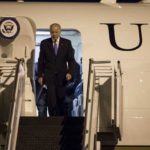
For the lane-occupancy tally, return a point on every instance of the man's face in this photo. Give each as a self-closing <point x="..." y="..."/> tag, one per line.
<point x="55" y="32"/>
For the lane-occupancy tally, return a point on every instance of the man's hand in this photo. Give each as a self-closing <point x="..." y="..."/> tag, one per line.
<point x="68" y="76"/>
<point x="40" y="80"/>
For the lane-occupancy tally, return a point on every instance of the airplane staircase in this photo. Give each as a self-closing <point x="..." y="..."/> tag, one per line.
<point x="19" y="132"/>
<point x="99" y="128"/>
<point x="103" y="116"/>
<point x="52" y="133"/>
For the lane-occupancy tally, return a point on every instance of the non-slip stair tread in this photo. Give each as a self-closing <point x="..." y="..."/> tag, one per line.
<point x="30" y="139"/>
<point x="39" y="130"/>
<point x="56" y="140"/>
<point x="47" y="130"/>
<point x="39" y="142"/>
<point x="38" y="147"/>
<point x="47" y="147"/>
<point x="53" y="133"/>
<point x="67" y="121"/>
<point x="41" y="121"/>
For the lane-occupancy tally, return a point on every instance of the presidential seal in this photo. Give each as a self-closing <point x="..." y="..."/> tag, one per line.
<point x="9" y="28"/>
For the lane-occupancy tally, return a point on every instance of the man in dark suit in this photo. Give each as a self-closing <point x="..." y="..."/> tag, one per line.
<point x="56" y="66"/>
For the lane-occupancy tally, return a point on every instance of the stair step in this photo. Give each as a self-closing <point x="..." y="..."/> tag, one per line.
<point x="53" y="133"/>
<point x="53" y="139"/>
<point x="107" y="138"/>
<point x="59" y="142"/>
<point x="41" y="121"/>
<point x="59" y="139"/>
<point x="38" y="140"/>
<point x="40" y="130"/>
<point x="37" y="146"/>
<point x="67" y="121"/>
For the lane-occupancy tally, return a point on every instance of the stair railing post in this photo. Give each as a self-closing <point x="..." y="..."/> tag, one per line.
<point x="113" y="94"/>
<point x="15" y="109"/>
<point x="119" y="97"/>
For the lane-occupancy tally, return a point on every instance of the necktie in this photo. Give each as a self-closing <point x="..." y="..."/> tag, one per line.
<point x="55" y="48"/>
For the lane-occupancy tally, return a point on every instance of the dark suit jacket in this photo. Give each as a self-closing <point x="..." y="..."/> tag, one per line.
<point x="50" y="65"/>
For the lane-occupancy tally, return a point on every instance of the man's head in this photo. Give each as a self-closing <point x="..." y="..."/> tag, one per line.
<point x="55" y="30"/>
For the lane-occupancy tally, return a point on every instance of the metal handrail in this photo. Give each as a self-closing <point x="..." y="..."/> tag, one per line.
<point x="88" y="132"/>
<point x="14" y="102"/>
<point x="87" y="100"/>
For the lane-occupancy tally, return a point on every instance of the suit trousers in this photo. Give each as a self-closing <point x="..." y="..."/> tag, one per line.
<point x="56" y="96"/>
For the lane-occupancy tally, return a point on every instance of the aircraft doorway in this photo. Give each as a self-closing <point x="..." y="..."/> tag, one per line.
<point x="74" y="90"/>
